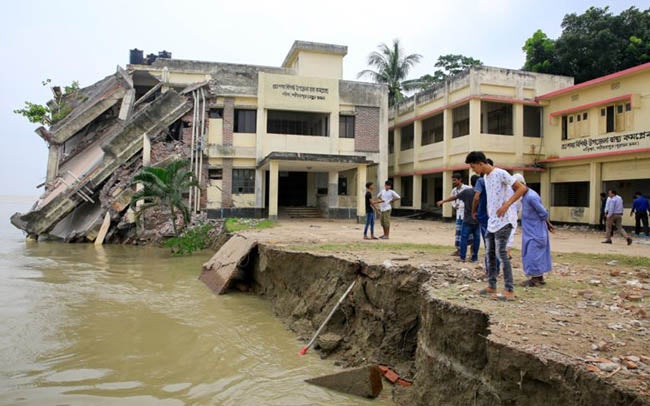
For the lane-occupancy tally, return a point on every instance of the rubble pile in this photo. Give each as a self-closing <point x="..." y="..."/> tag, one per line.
<point x="113" y="129"/>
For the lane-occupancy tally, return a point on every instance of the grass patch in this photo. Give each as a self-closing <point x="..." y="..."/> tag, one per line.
<point x="428" y="248"/>
<point x="601" y="259"/>
<point x="233" y="224"/>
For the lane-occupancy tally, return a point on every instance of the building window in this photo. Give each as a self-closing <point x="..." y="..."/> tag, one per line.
<point x="215" y="113"/>
<point x="433" y="130"/>
<point x="245" y="121"/>
<point x="496" y="118"/>
<point x="532" y="121"/>
<point x="215" y="173"/>
<point x="346" y="126"/>
<point x="571" y="194"/>
<point x="406" y="138"/>
<point x="391" y="141"/>
<point x="297" y="123"/>
<point x="243" y="181"/>
<point x="575" y="125"/>
<point x="460" y="116"/>
<point x="615" y="118"/>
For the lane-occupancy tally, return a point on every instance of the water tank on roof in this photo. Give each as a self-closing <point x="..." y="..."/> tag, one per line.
<point x="165" y="54"/>
<point x="135" y="56"/>
<point x="151" y="58"/>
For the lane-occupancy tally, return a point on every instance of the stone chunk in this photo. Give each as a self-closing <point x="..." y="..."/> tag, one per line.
<point x="364" y="381"/>
<point x="329" y="341"/>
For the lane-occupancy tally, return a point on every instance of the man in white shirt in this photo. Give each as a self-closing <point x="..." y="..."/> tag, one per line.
<point x="499" y="186"/>
<point x="386" y="198"/>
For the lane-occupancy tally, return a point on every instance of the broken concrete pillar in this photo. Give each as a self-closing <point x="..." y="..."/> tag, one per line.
<point x="364" y="381"/>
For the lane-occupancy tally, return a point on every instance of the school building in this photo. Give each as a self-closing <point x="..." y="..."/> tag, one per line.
<point x="571" y="142"/>
<point x="274" y="139"/>
<point x="596" y="138"/>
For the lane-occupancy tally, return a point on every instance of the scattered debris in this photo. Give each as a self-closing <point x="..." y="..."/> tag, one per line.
<point x="329" y="341"/>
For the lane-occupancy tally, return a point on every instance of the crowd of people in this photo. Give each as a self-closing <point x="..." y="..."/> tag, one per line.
<point x="489" y="208"/>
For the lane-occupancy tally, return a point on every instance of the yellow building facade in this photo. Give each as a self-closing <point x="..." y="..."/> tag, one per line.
<point x="297" y="135"/>
<point x="596" y="138"/>
<point x="489" y="109"/>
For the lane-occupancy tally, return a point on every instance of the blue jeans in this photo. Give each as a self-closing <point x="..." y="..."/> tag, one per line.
<point x="468" y="230"/>
<point x="496" y="248"/>
<point x="459" y="227"/>
<point x="370" y="222"/>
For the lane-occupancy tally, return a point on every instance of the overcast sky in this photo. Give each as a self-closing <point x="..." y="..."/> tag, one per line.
<point x="85" y="40"/>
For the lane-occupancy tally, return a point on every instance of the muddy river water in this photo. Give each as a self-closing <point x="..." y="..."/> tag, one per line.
<point x="81" y="325"/>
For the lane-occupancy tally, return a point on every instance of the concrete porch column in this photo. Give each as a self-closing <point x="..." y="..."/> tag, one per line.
<point x="397" y="187"/>
<point x="274" y="168"/>
<point x="333" y="189"/>
<point x="362" y="175"/>
<point x="446" y="191"/>
<point x="595" y="186"/>
<point x="417" y="192"/>
<point x="259" y="188"/>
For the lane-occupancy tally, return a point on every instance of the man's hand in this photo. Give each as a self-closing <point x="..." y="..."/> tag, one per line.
<point x="502" y="210"/>
<point x="550" y="226"/>
<point x="474" y="216"/>
<point x="439" y="203"/>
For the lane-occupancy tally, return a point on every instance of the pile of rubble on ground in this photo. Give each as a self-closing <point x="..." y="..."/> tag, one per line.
<point x="112" y="130"/>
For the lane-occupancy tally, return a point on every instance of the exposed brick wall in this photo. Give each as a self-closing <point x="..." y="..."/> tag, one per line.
<point x="228" y="120"/>
<point x="366" y="129"/>
<point x="226" y="183"/>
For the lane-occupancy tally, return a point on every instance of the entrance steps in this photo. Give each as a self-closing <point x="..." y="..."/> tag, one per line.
<point x="301" y="212"/>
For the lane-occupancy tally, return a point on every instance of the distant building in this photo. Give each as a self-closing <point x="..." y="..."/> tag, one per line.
<point x="596" y="138"/>
<point x="280" y="137"/>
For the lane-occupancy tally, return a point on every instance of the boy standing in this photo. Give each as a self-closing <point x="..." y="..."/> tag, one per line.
<point x="501" y="219"/>
<point x="471" y="226"/>
<point x="370" y="212"/>
<point x="386" y="198"/>
<point x="614" y="218"/>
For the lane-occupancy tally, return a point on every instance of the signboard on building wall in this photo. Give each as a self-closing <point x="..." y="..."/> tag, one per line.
<point x="289" y="92"/>
<point x="606" y="143"/>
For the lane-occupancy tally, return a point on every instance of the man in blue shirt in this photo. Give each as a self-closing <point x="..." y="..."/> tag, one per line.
<point x="640" y="208"/>
<point x="615" y="218"/>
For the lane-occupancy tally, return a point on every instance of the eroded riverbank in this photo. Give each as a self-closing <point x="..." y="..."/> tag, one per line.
<point x="414" y="309"/>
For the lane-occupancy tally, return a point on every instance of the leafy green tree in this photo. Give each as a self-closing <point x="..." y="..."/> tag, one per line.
<point x="540" y="53"/>
<point x="392" y="67"/>
<point x="164" y="187"/>
<point x="592" y="44"/>
<point x="447" y="66"/>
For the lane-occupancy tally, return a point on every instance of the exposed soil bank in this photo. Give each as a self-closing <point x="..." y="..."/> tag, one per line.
<point x="392" y="316"/>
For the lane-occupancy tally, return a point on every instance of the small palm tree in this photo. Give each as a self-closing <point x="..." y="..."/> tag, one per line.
<point x="164" y="186"/>
<point x="392" y="67"/>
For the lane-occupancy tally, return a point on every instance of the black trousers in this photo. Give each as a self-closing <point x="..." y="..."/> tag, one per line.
<point x="641" y="218"/>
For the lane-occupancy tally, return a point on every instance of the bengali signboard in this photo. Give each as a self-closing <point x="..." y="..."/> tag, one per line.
<point x="300" y="93"/>
<point x="606" y="143"/>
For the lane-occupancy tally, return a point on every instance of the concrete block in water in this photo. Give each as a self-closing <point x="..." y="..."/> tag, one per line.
<point x="364" y="381"/>
<point x="223" y="266"/>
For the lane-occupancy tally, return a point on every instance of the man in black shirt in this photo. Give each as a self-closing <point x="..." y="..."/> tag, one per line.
<point x="370" y="213"/>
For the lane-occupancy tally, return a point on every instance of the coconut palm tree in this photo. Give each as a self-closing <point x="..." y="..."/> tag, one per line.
<point x="164" y="186"/>
<point x="392" y="67"/>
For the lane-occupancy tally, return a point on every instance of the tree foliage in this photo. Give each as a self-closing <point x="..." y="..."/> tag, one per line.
<point x="447" y="66"/>
<point x="391" y="66"/>
<point x="164" y="186"/>
<point x="51" y="113"/>
<point x="592" y="44"/>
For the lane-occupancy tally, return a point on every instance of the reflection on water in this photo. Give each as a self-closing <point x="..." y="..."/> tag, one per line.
<point x="132" y="325"/>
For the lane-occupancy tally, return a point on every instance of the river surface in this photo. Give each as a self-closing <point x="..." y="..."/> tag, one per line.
<point x="85" y="325"/>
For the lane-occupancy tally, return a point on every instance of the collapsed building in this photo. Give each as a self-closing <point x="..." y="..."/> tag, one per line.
<point x="259" y="140"/>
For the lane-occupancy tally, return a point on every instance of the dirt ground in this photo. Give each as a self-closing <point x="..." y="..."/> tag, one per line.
<point x="592" y="312"/>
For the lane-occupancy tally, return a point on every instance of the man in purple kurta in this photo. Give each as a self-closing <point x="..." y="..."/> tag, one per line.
<point x="535" y="244"/>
